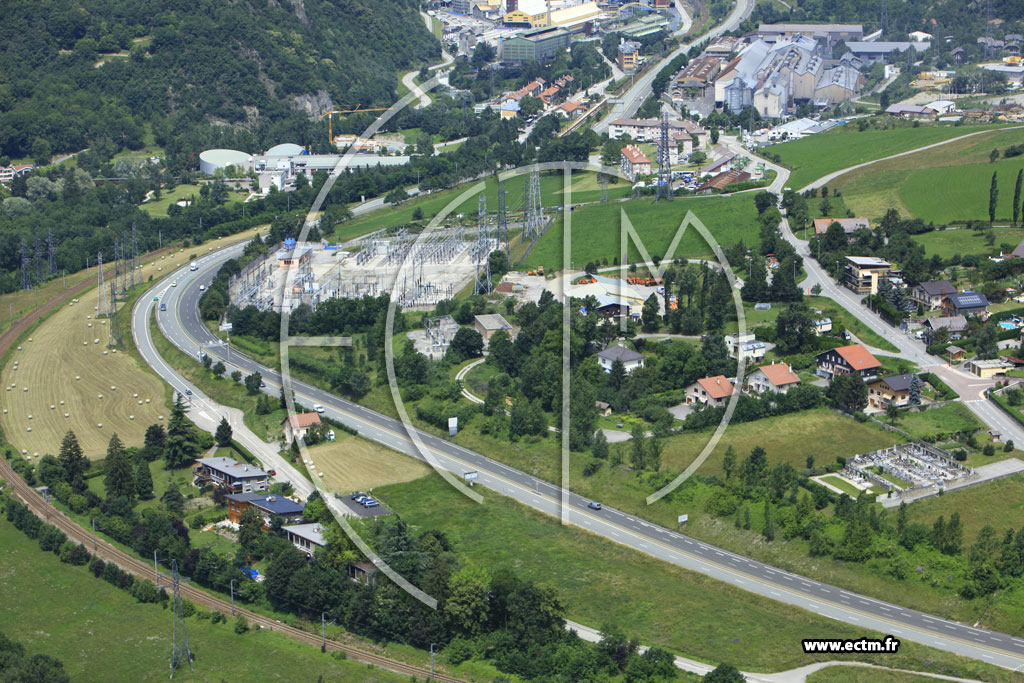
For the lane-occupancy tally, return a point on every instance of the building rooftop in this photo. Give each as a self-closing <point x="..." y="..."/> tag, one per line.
<point x="233" y="468"/>
<point x="857" y="357"/>
<point x="635" y="155"/>
<point x="868" y="261"/>
<point x="493" y="321"/>
<point x="780" y="374"/>
<point x="279" y="505"/>
<point x="849" y="224"/>
<point x="717" y="387"/>
<point x="968" y="300"/>
<point x="620" y="353"/>
<point x="302" y="420"/>
<point x="938" y="287"/>
<point x="314" y="533"/>
<point x="899" y="382"/>
<point x="952" y="322"/>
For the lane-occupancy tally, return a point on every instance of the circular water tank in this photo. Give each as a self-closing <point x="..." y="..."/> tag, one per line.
<point x="212" y="159"/>
<point x="285" y="149"/>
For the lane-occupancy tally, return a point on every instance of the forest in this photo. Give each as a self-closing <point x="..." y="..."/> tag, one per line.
<point x="75" y="73"/>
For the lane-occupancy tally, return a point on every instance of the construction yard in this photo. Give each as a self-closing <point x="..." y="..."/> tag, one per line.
<point x="65" y="375"/>
<point x="351" y="463"/>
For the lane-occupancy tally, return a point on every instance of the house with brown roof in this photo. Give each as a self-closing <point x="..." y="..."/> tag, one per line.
<point x="929" y="294"/>
<point x="297" y="426"/>
<point x="849" y="225"/>
<point x="710" y="391"/>
<point x="571" y="110"/>
<point x="895" y="389"/>
<point x="634" y="162"/>
<point x="847" y="360"/>
<point x="723" y="180"/>
<point x="777" y="378"/>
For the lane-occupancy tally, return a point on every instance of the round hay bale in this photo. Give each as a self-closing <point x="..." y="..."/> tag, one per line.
<point x="53" y="407"/>
<point x="29" y="429"/>
<point x="62" y="402"/>
<point x="113" y="350"/>
<point x="5" y="411"/>
<point x="103" y="322"/>
<point x="100" y="425"/>
<point x="30" y="417"/>
<point x="25" y="389"/>
<point x="140" y="403"/>
<point x="19" y="348"/>
<point x="99" y="396"/>
<point x="77" y="377"/>
<point x="159" y="417"/>
<point x="89" y="325"/>
<point x="95" y="341"/>
<point x="30" y="338"/>
<point x="131" y="417"/>
<point x="104" y="353"/>
<point x="23" y="451"/>
<point x="85" y="343"/>
<point x="113" y="388"/>
<point x="147" y="400"/>
<point x="321" y="475"/>
<point x="67" y="414"/>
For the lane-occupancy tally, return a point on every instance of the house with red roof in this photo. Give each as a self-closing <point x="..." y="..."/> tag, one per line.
<point x="710" y="391"/>
<point x="777" y="378"/>
<point x="847" y="360"/>
<point x="296" y="426"/>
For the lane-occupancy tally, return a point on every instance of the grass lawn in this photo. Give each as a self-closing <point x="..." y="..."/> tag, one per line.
<point x="946" y="243"/>
<point x="158" y="207"/>
<point x="103" y="634"/>
<point x="976" y="505"/>
<point x="952" y="417"/>
<point x="831" y="309"/>
<point x="856" y="674"/>
<point x="552" y="186"/>
<point x="843" y="485"/>
<point x="812" y="157"/>
<point x="660" y="604"/>
<point x="596" y="229"/>
<point x="352" y="463"/>
<point x="941" y="185"/>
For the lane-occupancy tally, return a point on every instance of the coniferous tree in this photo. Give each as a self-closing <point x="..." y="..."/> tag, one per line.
<point x="173" y="501"/>
<point x="181" y="447"/>
<point x="993" y="198"/>
<point x="74" y="462"/>
<point x="223" y="434"/>
<point x="1016" y="197"/>
<point x="143" y="479"/>
<point x="119" y="480"/>
<point x="915" y="390"/>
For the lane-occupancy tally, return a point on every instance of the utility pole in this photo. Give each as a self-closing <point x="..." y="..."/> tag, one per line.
<point x="232" y="597"/>
<point x="432" y="646"/>
<point x="93" y="535"/>
<point x="179" y="646"/>
<point x="156" y="571"/>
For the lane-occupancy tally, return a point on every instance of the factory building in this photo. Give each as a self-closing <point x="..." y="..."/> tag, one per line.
<point x="538" y="44"/>
<point x="212" y="160"/>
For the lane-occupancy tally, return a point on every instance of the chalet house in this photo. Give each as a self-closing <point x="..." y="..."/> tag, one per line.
<point x="849" y="225"/>
<point x="895" y="389"/>
<point x="777" y="378"/>
<point x="230" y="475"/>
<point x="268" y="505"/>
<point x="710" y="391"/>
<point x="955" y="324"/>
<point x="845" y="360"/>
<point x="296" y="427"/>
<point x="955" y="353"/>
<point x="966" y="304"/>
<point x="631" y="360"/>
<point x="930" y="294"/>
<point x="603" y="409"/>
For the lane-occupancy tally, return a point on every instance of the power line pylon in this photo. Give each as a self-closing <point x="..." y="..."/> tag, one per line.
<point x="114" y="333"/>
<point x="602" y="180"/>
<point x="101" y="308"/>
<point x="503" y="220"/>
<point x="664" y="162"/>
<point x="134" y="256"/>
<point x="179" y="646"/>
<point x="51" y="252"/>
<point x="26" y="274"/>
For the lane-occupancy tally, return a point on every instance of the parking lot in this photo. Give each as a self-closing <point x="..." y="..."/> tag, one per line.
<point x="357" y="510"/>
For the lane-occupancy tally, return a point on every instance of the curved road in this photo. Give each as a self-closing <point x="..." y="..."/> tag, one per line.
<point x="185" y="329"/>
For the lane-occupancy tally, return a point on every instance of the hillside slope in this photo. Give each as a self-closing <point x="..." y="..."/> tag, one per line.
<point x="74" y="73"/>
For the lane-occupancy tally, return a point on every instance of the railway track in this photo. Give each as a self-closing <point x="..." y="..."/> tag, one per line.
<point x="110" y="553"/>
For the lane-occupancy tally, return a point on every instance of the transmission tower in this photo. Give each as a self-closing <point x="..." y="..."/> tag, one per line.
<point x="179" y="647"/>
<point x="883" y="20"/>
<point x="533" y="218"/>
<point x="481" y="250"/>
<point x="51" y="251"/>
<point x="503" y="220"/>
<point x="37" y="258"/>
<point x="114" y="333"/>
<point x="602" y="180"/>
<point x="101" y="308"/>
<point x="134" y="256"/>
<point x="26" y="273"/>
<point x="664" y="163"/>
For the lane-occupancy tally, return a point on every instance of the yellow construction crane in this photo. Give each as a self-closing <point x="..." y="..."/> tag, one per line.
<point x="330" y="117"/>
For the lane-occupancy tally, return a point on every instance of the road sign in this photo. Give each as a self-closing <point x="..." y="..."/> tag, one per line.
<point x="683" y="518"/>
<point x="472" y="475"/>
<point x="453" y="426"/>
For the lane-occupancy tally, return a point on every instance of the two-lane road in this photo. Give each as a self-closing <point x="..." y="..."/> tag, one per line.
<point x="183" y="327"/>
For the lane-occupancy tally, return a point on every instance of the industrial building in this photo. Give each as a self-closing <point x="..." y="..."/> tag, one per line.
<point x="213" y="160"/>
<point x="829" y="33"/>
<point x="538" y="45"/>
<point x="538" y="14"/>
<point x="879" y="51"/>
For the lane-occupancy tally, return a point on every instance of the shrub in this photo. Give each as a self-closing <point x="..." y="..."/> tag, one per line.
<point x="97" y="567"/>
<point x="989" y="450"/>
<point x="591" y="466"/>
<point x="145" y="591"/>
<point x="960" y="454"/>
<point x="241" y="624"/>
<point x="218" y="618"/>
<point x="1008" y="447"/>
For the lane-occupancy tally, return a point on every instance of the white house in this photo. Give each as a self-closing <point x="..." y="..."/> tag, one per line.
<point x="305" y="537"/>
<point x="777" y="377"/>
<point x="712" y="391"/>
<point x="745" y="345"/>
<point x="630" y="359"/>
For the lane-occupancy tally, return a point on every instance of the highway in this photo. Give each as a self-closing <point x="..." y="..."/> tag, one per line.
<point x="184" y="328"/>
<point x="641" y="88"/>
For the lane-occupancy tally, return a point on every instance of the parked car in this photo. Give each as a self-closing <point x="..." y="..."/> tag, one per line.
<point x="357" y="495"/>
<point x="371" y="504"/>
<point x="594" y="505"/>
<point x="272" y="473"/>
<point x="367" y="501"/>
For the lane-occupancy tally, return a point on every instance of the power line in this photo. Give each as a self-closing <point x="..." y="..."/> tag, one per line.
<point x="179" y="644"/>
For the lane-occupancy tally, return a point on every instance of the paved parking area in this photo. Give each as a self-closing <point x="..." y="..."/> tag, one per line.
<point x="357" y="510"/>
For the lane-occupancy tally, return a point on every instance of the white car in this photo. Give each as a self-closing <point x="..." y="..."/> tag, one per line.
<point x="318" y="408"/>
<point x="202" y="288"/>
<point x="174" y="284"/>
